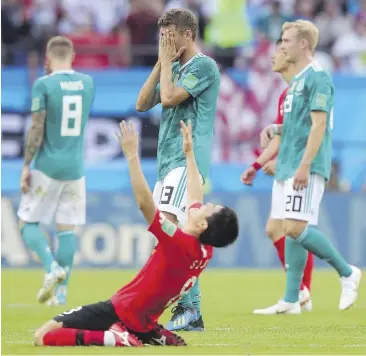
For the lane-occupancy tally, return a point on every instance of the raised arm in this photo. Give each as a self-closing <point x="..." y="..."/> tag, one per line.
<point x="194" y="179"/>
<point x="129" y="141"/>
<point x="149" y="95"/>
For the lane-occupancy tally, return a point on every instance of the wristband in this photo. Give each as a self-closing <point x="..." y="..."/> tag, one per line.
<point x="257" y="166"/>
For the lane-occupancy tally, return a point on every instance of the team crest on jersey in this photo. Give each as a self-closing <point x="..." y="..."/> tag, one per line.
<point x="167" y="226"/>
<point x="300" y="85"/>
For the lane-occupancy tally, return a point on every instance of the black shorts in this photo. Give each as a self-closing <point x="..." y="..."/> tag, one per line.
<point x="98" y="316"/>
<point x="101" y="316"/>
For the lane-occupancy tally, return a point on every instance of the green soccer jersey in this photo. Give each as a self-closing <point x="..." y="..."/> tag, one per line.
<point x="200" y="77"/>
<point x="66" y="96"/>
<point x="311" y="90"/>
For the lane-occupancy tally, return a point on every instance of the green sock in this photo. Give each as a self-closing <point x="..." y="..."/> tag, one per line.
<point x="185" y="300"/>
<point x="295" y="261"/>
<point x="316" y="242"/>
<point x="196" y="297"/>
<point x="36" y="241"/>
<point x="65" y="252"/>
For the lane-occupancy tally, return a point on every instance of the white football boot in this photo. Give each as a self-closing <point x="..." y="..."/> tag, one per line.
<point x="281" y="307"/>
<point x="350" y="287"/>
<point x="59" y="297"/>
<point x="266" y="311"/>
<point x="304" y="301"/>
<point x="57" y="275"/>
<point x="288" y="308"/>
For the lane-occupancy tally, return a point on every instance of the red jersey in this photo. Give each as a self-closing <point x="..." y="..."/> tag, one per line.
<point x="169" y="273"/>
<point x="281" y="102"/>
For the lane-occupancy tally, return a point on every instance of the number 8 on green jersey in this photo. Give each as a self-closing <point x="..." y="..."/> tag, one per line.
<point x="57" y="181"/>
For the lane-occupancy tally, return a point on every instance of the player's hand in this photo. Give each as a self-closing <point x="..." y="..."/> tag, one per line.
<point x="167" y="49"/>
<point x="270" y="167"/>
<point x="186" y="131"/>
<point x="25" y="179"/>
<point x="129" y="139"/>
<point x="266" y="135"/>
<point x="179" y="53"/>
<point x="248" y="176"/>
<point x="301" y="178"/>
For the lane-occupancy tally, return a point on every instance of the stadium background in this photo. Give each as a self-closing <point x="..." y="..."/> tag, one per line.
<point x="116" y="42"/>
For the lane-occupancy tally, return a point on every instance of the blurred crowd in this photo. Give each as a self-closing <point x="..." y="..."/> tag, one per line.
<point x="124" y="32"/>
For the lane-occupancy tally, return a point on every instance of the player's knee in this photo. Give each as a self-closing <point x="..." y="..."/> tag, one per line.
<point x="274" y="229"/>
<point x="294" y="228"/>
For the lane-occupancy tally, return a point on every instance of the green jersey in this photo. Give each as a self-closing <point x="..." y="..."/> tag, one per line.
<point x="310" y="90"/>
<point x="66" y="96"/>
<point x="200" y="77"/>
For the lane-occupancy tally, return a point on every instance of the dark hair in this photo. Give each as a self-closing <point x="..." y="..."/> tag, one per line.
<point x="222" y="230"/>
<point x="60" y="47"/>
<point x="182" y="19"/>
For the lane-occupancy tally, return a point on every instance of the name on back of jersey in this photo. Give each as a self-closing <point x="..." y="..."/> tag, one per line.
<point x="72" y="85"/>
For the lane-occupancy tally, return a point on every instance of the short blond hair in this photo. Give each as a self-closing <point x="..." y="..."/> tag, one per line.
<point x="60" y="47"/>
<point x="305" y="30"/>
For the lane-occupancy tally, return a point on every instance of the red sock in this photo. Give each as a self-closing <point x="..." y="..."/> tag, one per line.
<point x="92" y="337"/>
<point x="280" y="246"/>
<point x="60" y="337"/>
<point x="73" y="337"/>
<point x="308" y="271"/>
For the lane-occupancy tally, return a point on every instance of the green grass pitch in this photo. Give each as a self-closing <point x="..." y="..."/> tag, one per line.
<point x="229" y="296"/>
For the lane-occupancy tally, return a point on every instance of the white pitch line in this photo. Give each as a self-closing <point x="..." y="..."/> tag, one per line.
<point x="19" y="342"/>
<point x="22" y="305"/>
<point x="24" y="342"/>
<point x="220" y="345"/>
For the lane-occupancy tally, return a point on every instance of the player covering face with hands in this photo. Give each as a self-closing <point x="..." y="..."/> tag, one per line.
<point x="130" y="316"/>
<point x="188" y="81"/>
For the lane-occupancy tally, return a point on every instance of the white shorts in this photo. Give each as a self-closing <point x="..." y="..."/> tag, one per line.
<point x="303" y="205"/>
<point x="49" y="198"/>
<point x="170" y="194"/>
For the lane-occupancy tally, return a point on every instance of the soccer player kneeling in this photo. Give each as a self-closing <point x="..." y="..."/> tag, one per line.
<point x="129" y="318"/>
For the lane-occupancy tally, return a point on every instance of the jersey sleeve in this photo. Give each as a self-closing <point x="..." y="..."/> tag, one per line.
<point x="38" y="96"/>
<point x="167" y="232"/>
<point x="199" y="78"/>
<point x="163" y="229"/>
<point x="321" y="93"/>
